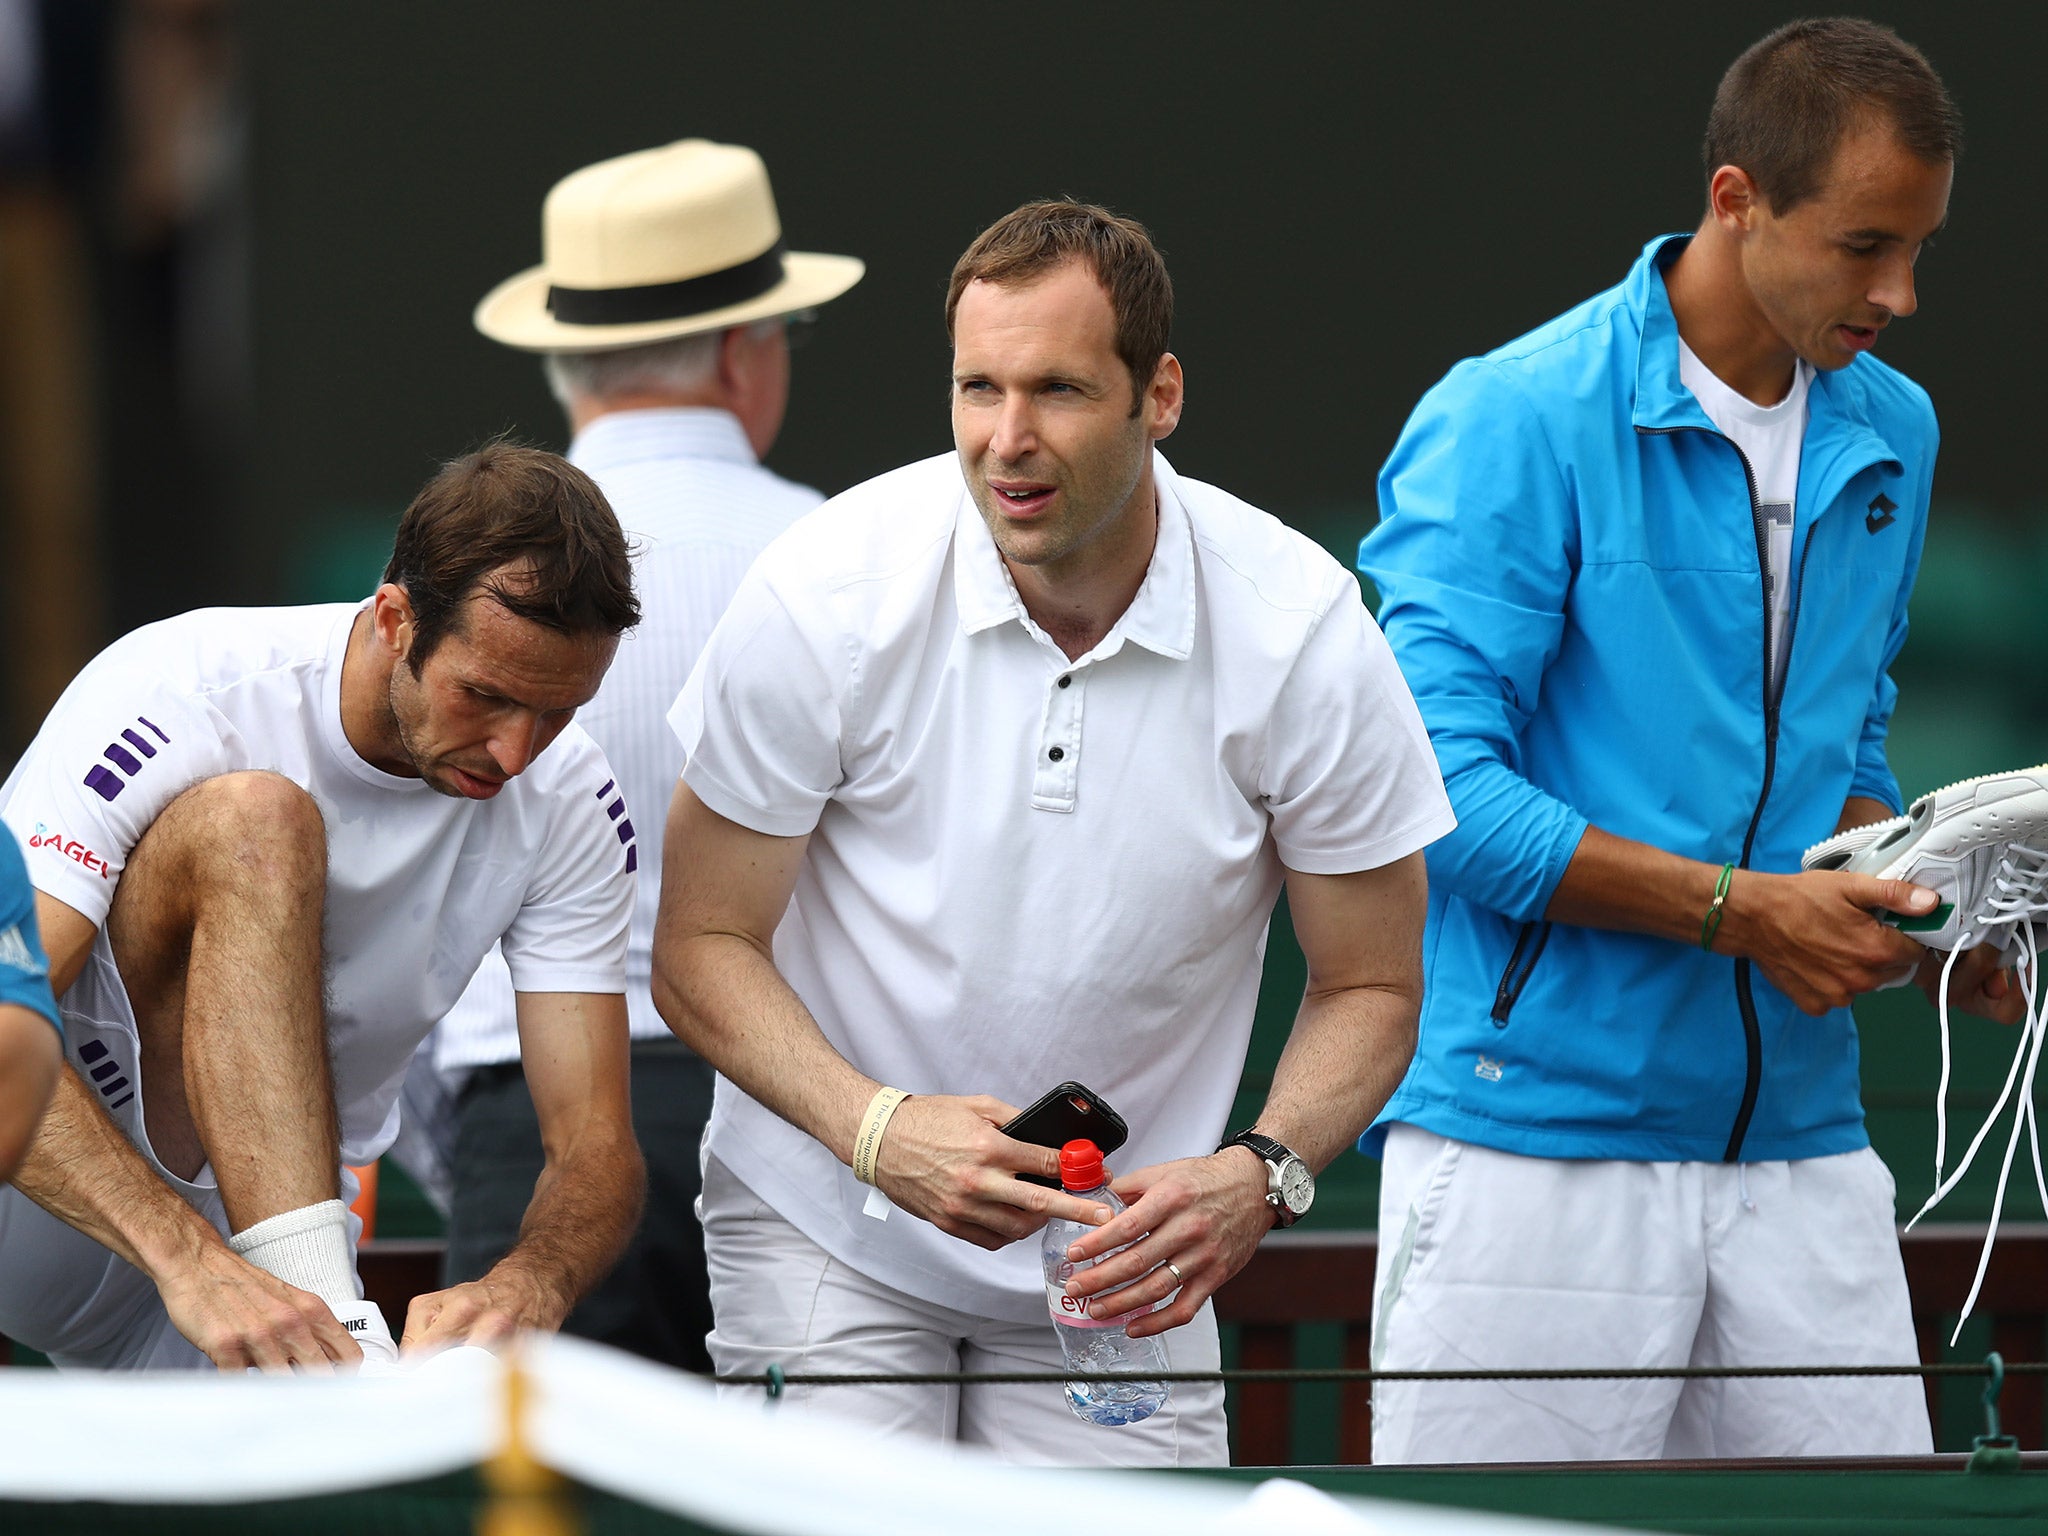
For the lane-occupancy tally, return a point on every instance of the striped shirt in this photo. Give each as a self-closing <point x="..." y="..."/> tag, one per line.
<point x="687" y="489"/>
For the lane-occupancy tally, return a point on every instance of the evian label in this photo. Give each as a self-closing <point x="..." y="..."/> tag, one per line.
<point x="1072" y="1311"/>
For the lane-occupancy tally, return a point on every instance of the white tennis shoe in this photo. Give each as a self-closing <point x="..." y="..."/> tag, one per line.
<point x="364" y="1321"/>
<point x="1982" y="847"/>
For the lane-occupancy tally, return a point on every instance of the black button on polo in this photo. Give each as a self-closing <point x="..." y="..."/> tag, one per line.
<point x="1057" y="753"/>
<point x="1066" y="680"/>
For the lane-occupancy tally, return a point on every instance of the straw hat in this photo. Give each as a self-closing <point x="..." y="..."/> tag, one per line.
<point x="661" y="243"/>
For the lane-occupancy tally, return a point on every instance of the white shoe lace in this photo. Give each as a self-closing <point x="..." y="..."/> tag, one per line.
<point x="2015" y="902"/>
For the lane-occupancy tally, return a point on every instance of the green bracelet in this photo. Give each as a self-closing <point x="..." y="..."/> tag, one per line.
<point x="1712" y="924"/>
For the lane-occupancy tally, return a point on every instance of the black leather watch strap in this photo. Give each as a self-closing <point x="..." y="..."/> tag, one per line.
<point x="1276" y="1156"/>
<point x="1271" y="1150"/>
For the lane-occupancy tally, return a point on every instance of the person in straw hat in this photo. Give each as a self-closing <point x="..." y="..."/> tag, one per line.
<point x="663" y="310"/>
<point x="993" y="771"/>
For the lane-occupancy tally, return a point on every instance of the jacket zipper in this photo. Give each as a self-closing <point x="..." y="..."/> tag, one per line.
<point x="1745" y="995"/>
<point x="1513" y="980"/>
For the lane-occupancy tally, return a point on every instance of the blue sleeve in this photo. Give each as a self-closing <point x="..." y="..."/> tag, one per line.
<point x="24" y="969"/>
<point x="1873" y="778"/>
<point x="1474" y="557"/>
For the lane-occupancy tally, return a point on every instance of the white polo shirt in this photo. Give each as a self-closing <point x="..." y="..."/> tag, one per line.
<point x="1024" y="869"/>
<point x="419" y="885"/>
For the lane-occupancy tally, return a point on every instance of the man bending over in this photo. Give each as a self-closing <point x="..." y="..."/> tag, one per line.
<point x="270" y="847"/>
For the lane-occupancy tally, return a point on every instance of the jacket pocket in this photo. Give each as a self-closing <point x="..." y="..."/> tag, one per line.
<point x="1529" y="944"/>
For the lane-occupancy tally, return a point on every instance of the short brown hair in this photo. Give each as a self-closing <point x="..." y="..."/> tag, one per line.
<point x="1783" y="107"/>
<point x="508" y="505"/>
<point x="1040" y="236"/>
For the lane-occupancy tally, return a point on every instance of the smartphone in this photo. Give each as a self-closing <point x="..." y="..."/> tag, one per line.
<point x="1068" y="1113"/>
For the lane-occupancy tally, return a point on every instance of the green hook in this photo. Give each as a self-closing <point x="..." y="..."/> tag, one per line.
<point x="1994" y="1451"/>
<point x="776" y="1384"/>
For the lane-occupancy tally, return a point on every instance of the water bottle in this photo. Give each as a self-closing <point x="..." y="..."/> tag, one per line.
<point x="1096" y="1345"/>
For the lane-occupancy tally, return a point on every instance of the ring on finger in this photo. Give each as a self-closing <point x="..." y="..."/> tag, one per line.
<point x="1178" y="1278"/>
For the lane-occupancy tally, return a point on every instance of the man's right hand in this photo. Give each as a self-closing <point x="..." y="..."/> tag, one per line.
<point x="241" y="1316"/>
<point x="1816" y="935"/>
<point x="943" y="1159"/>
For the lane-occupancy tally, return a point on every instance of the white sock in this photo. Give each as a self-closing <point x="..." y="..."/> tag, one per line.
<point x="307" y="1248"/>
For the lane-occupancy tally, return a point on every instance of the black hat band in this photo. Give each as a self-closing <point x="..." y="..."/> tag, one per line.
<point x="668" y="301"/>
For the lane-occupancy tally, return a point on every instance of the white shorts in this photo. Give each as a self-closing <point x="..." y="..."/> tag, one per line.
<point x="1490" y="1261"/>
<point x="779" y="1299"/>
<point x="62" y="1293"/>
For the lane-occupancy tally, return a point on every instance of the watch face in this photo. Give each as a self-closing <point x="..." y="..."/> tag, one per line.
<point x="1297" y="1186"/>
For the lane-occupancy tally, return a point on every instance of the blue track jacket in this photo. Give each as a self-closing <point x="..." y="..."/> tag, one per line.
<point x="1570" y="575"/>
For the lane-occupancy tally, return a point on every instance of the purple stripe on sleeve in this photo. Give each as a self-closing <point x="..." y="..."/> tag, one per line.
<point x="154" y="727"/>
<point x="625" y="831"/>
<point x="122" y="759"/>
<point x="104" y="784"/>
<point x="138" y="743"/>
<point x="632" y="857"/>
<point x="616" y="809"/>
<point x="125" y="1098"/>
<point x="608" y="786"/>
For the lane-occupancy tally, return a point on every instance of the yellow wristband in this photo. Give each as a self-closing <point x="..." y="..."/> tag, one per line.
<point x="872" y="1124"/>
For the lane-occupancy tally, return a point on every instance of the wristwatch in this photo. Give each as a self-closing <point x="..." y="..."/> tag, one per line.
<point x="1290" y="1187"/>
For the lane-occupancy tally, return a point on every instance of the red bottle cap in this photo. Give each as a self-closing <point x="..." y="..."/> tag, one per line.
<point x="1080" y="1165"/>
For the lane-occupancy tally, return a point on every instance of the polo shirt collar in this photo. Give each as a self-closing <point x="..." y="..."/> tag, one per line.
<point x="619" y="438"/>
<point x="1161" y="617"/>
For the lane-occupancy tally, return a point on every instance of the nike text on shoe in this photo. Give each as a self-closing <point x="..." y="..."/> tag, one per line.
<point x="365" y="1324"/>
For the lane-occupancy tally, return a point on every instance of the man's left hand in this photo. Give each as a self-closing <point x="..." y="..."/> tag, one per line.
<point x="1204" y="1215"/>
<point x="485" y="1312"/>
<point x="1980" y="983"/>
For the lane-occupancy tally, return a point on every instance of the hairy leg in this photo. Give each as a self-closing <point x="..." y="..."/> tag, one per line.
<point x="215" y="929"/>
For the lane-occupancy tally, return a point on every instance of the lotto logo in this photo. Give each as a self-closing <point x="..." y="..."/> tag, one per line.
<point x="105" y="783"/>
<point x="72" y="849"/>
<point x="617" y="812"/>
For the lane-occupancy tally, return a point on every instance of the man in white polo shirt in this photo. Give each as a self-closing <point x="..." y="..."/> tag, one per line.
<point x="994" y="769"/>
<point x="269" y="847"/>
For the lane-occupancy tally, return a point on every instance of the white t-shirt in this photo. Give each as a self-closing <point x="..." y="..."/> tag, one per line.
<point x="698" y="508"/>
<point x="419" y="885"/>
<point x="1769" y="437"/>
<point x="1024" y="869"/>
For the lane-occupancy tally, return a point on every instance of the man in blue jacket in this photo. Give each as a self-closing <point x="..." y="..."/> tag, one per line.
<point x="1645" y="569"/>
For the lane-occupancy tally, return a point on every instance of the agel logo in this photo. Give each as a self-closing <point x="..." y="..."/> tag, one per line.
<point x="1880" y="514"/>
<point x="71" y="849"/>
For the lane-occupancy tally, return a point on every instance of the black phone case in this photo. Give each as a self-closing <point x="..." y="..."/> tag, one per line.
<point x="1069" y="1112"/>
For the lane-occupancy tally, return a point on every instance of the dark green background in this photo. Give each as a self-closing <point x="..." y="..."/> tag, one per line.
<point x="1350" y="197"/>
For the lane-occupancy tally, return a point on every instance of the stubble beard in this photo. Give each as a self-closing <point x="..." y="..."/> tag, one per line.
<point x="408" y="742"/>
<point x="1075" y="525"/>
